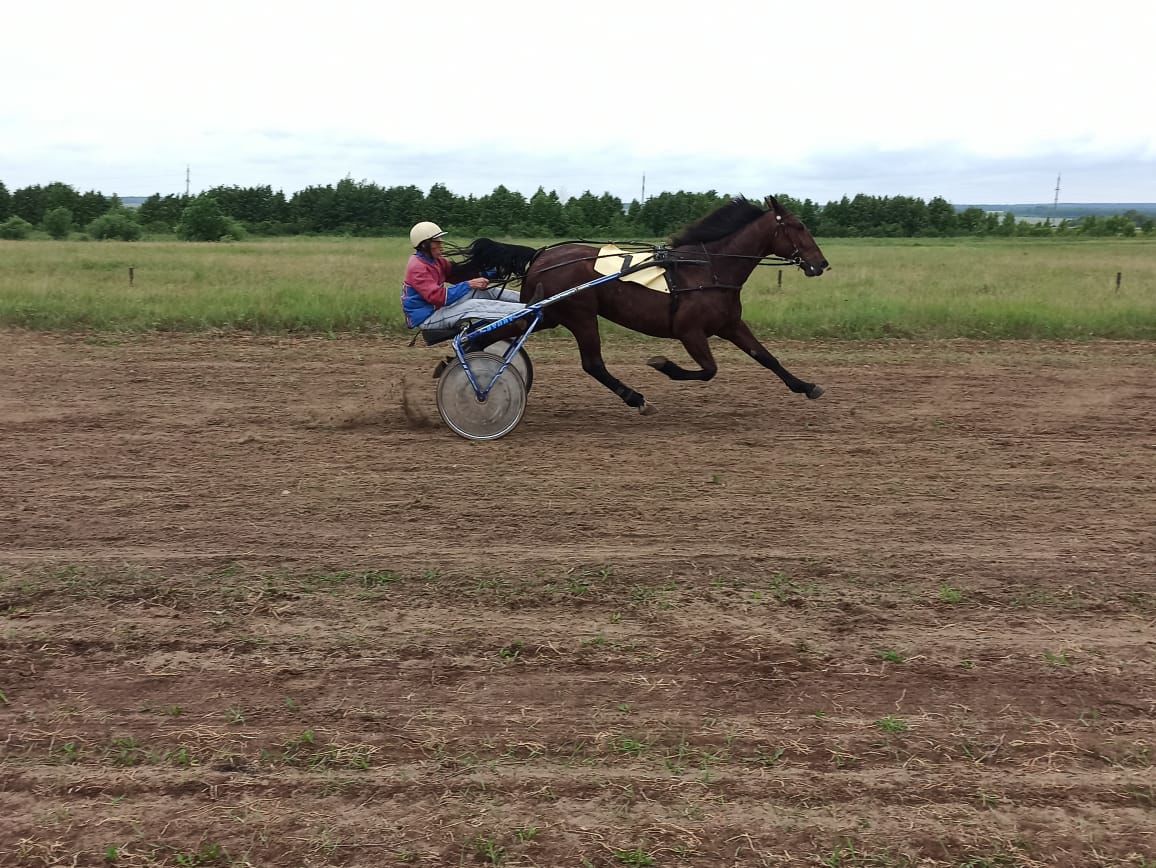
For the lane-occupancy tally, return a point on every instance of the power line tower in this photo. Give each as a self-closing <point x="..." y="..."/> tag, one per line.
<point x="1056" y="201"/>
<point x="186" y="181"/>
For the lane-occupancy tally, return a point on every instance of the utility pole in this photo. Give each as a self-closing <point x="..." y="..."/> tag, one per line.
<point x="186" y="181"/>
<point x="1056" y="201"/>
<point x="642" y="201"/>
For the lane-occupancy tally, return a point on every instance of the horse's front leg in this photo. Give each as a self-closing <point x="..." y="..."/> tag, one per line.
<point x="741" y="336"/>
<point x="590" y="347"/>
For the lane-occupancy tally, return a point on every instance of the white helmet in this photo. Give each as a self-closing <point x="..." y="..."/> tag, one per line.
<point x="424" y="231"/>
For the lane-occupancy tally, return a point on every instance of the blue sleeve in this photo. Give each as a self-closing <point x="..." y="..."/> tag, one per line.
<point x="457" y="292"/>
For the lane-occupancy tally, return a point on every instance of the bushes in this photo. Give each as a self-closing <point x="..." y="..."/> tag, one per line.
<point x="117" y="224"/>
<point x="15" y="229"/>
<point x="203" y="220"/>
<point x="58" y="222"/>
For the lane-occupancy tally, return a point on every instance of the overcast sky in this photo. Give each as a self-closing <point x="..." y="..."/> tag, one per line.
<point x="977" y="101"/>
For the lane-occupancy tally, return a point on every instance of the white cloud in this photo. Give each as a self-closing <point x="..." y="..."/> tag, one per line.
<point x="820" y="99"/>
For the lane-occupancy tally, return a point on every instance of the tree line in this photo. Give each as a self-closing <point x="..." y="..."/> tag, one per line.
<point x="363" y="208"/>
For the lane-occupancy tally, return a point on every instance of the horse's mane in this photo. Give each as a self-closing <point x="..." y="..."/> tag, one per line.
<point x="728" y="219"/>
<point x="506" y="260"/>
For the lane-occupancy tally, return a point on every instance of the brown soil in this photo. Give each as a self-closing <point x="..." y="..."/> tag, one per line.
<point x="259" y="606"/>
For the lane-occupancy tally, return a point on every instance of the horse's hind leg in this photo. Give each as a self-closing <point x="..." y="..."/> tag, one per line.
<point x="590" y="347"/>
<point x="741" y="336"/>
<point x="698" y="347"/>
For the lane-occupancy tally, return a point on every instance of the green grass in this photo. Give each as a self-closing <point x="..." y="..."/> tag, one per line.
<point x="1013" y="288"/>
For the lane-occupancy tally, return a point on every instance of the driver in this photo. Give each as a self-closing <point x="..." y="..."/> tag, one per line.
<point x="429" y="303"/>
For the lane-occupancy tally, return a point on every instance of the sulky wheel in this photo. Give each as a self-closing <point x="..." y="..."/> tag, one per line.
<point x="468" y="417"/>
<point x="521" y="361"/>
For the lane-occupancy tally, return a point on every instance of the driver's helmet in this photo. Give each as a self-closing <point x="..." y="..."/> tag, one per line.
<point x="424" y="231"/>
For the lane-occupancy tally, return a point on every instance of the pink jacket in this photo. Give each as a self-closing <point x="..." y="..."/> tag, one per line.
<point x="424" y="290"/>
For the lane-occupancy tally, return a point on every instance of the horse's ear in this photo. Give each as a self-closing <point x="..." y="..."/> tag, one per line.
<point x="773" y="203"/>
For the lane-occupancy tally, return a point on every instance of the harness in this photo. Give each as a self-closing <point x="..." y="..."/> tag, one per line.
<point x="670" y="260"/>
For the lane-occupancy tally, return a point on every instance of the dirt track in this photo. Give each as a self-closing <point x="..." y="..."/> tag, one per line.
<point x="257" y="608"/>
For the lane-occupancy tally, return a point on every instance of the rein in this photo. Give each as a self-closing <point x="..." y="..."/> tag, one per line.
<point x="663" y="257"/>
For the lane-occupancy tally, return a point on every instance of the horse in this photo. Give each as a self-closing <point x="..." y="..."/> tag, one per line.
<point x="711" y="260"/>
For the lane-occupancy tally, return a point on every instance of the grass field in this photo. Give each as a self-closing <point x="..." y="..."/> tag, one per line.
<point x="877" y="288"/>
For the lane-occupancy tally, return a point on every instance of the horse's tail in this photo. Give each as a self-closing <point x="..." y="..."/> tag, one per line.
<point x="502" y="261"/>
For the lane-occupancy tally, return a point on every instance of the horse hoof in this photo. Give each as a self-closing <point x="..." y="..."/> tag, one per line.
<point x="815" y="392"/>
<point x="657" y="362"/>
<point x="647" y="409"/>
<point x="440" y="369"/>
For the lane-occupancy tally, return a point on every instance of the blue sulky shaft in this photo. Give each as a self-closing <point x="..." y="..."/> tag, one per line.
<point x="532" y="312"/>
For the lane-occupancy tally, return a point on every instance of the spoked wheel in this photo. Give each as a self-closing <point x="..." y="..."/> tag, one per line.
<point x="521" y="361"/>
<point x="468" y="417"/>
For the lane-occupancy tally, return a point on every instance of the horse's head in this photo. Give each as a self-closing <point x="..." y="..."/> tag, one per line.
<point x="792" y="241"/>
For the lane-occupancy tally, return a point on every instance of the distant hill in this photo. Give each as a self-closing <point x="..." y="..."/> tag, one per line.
<point x="1067" y="210"/>
<point x="132" y="201"/>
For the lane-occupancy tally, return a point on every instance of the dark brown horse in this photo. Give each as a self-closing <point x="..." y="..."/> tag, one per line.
<point x="715" y="257"/>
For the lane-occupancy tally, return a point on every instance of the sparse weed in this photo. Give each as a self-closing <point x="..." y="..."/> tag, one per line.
<point x="320" y="580"/>
<point x="636" y="856"/>
<point x="181" y="757"/>
<point x="768" y="758"/>
<point x="948" y="594"/>
<point x="676" y="763"/>
<point x="379" y="578"/>
<point x="307" y="737"/>
<point x="786" y="590"/>
<point x="892" y="724"/>
<point x="306" y="750"/>
<point x="510" y="652"/>
<point x="1060" y="659"/>
<point x="842" y="759"/>
<point x="208" y="854"/>
<point x="125" y="751"/>
<point x="631" y="746"/>
<point x="1145" y="795"/>
<point x="890" y="655"/>
<point x="989" y="800"/>
<point x="490" y="851"/>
